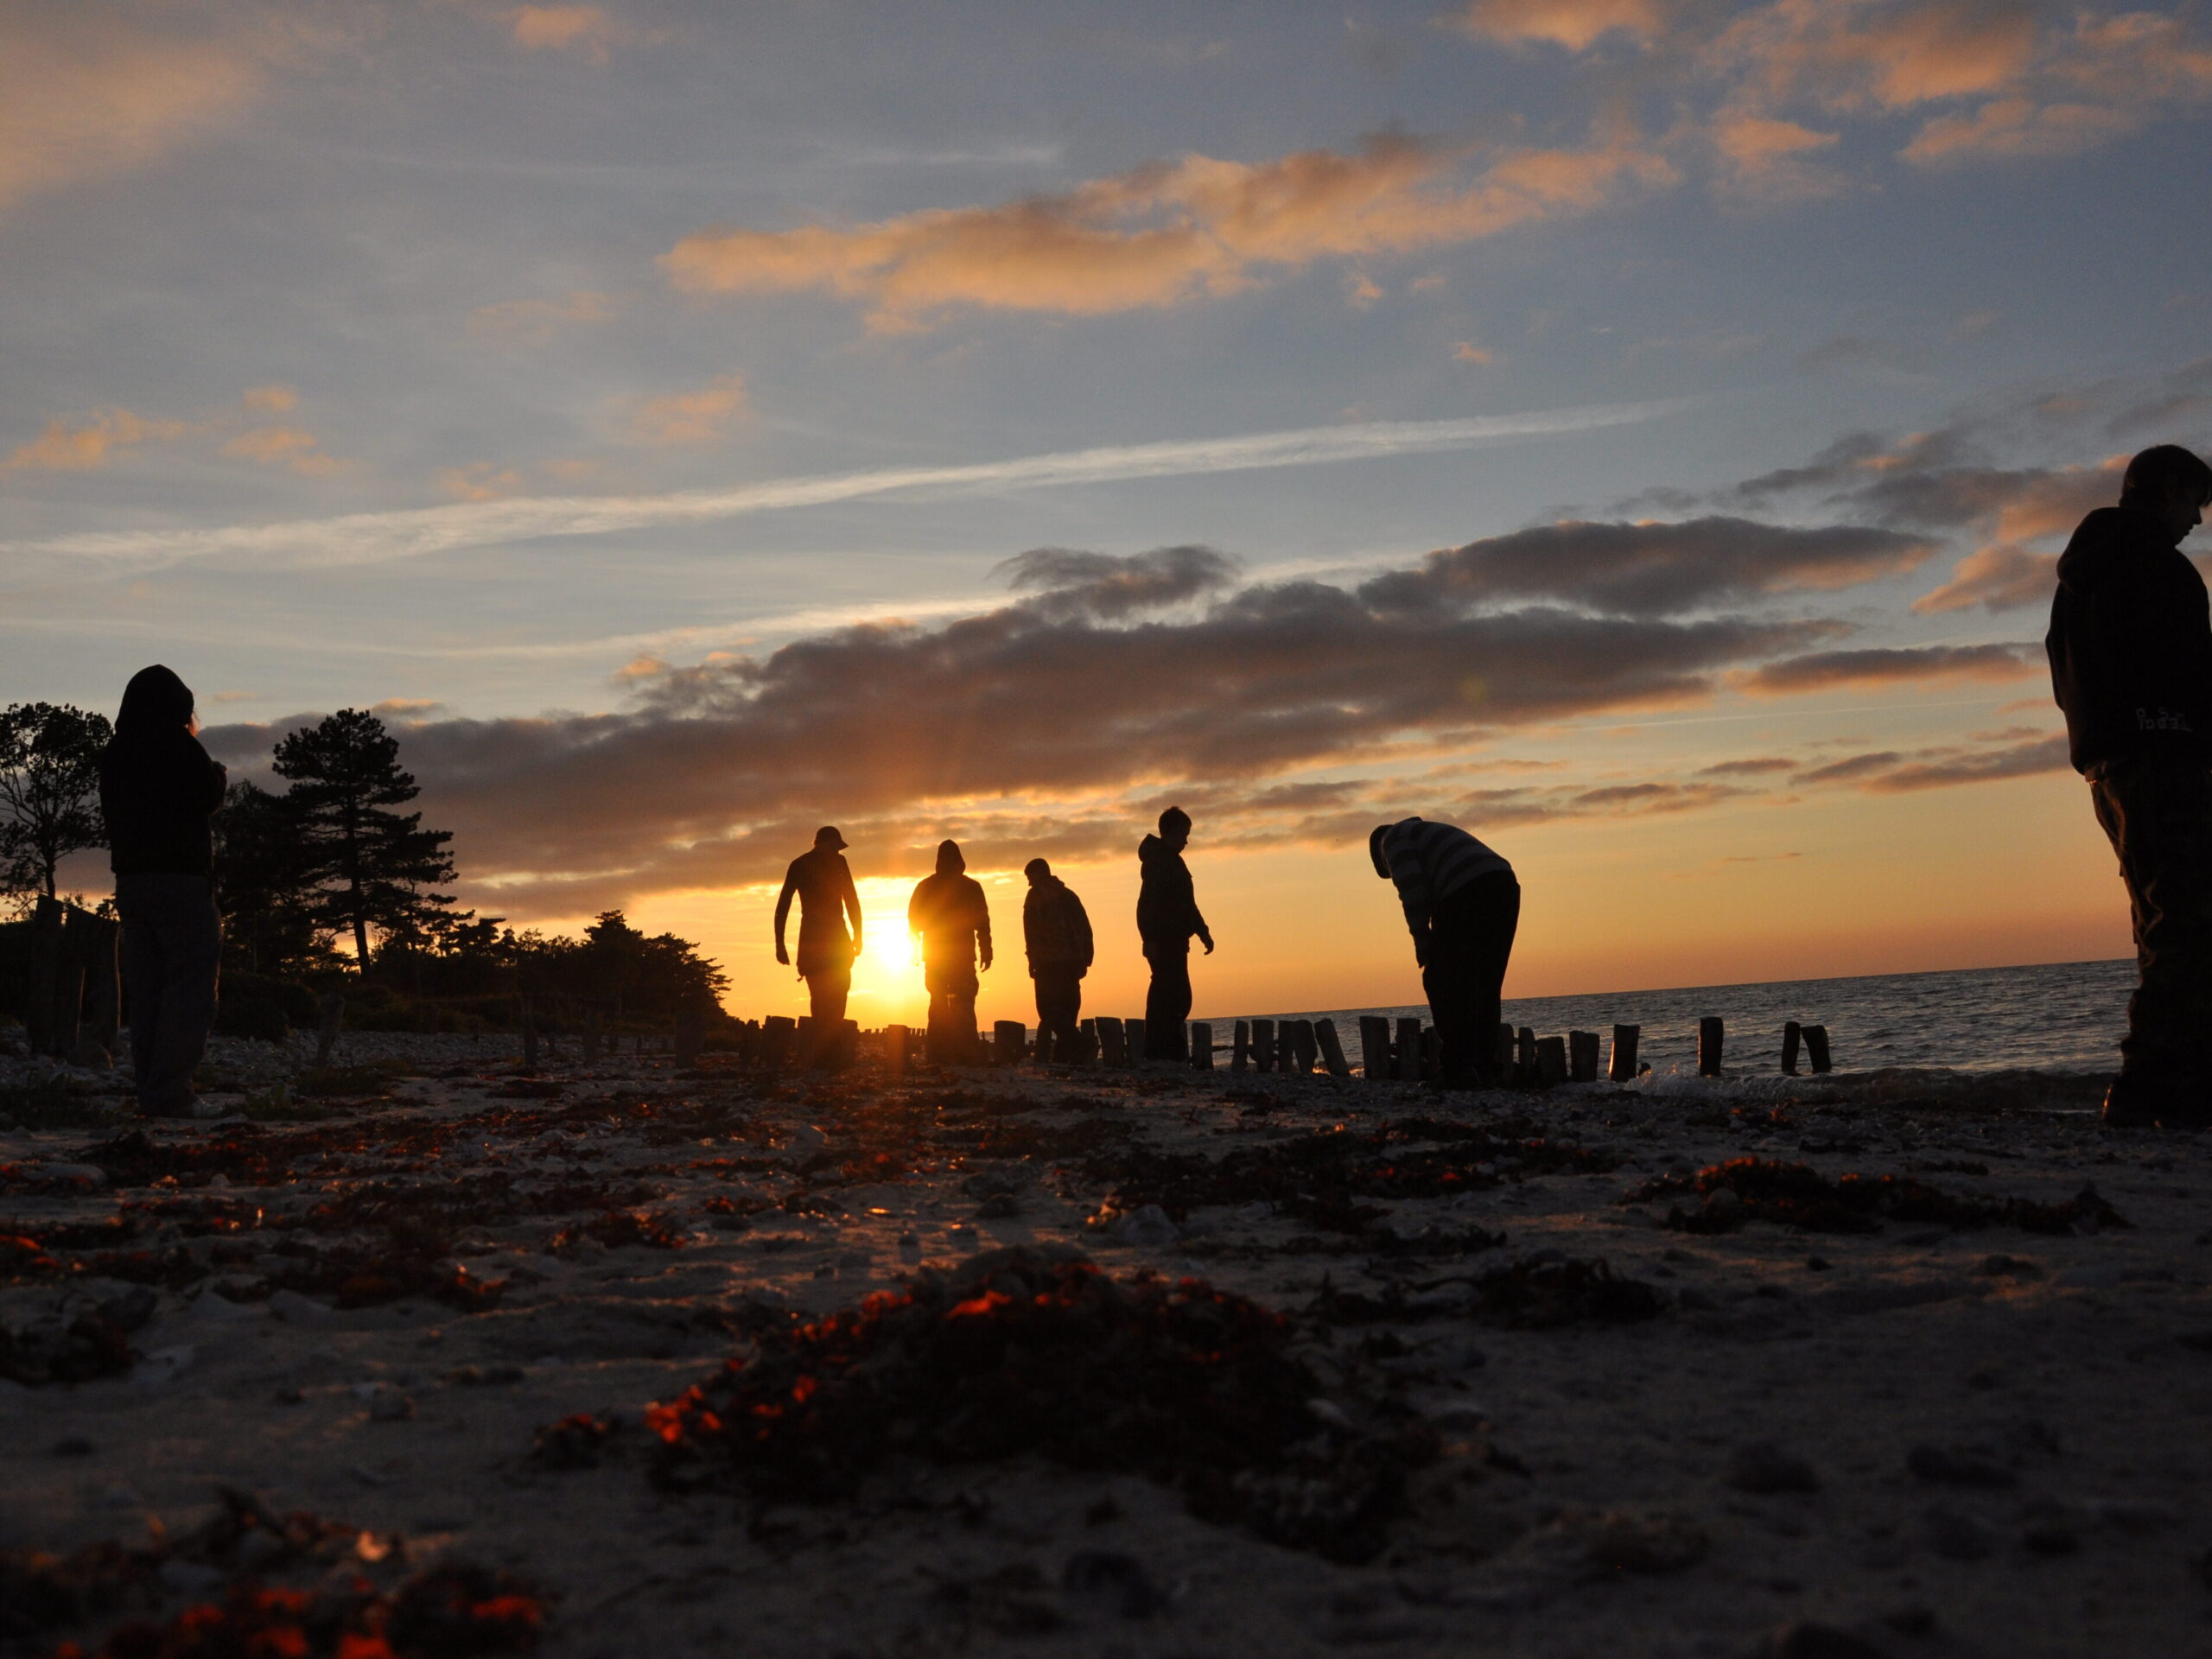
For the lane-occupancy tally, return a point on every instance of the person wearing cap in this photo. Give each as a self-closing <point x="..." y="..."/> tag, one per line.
<point x="1056" y="929"/>
<point x="1463" y="906"/>
<point x="824" y="882"/>
<point x="159" y="792"/>
<point x="949" y="913"/>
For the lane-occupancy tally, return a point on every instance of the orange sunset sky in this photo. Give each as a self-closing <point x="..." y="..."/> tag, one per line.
<point x="1639" y="430"/>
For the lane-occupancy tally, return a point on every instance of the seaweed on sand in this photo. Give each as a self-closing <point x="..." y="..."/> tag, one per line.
<point x="1022" y="1350"/>
<point x="1797" y="1195"/>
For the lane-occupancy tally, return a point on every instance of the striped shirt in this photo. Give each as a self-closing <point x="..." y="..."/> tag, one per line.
<point x="1429" y="862"/>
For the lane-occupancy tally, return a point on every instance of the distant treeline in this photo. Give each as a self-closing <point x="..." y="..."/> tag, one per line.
<point x="330" y="858"/>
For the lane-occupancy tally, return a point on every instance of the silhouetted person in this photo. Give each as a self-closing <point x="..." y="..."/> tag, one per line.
<point x="1463" y="905"/>
<point x="824" y="882"/>
<point x="1057" y="931"/>
<point x="159" y="790"/>
<point x="1167" y="917"/>
<point x="2131" y="664"/>
<point x="949" y="913"/>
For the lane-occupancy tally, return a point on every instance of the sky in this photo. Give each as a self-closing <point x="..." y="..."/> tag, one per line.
<point x="1640" y="432"/>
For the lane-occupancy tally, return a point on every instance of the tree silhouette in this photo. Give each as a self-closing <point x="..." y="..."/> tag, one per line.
<point x="265" y="877"/>
<point x="369" y="864"/>
<point x="49" y="791"/>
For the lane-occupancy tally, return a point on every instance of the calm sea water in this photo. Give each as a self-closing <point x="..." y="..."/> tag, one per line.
<point x="2056" y="1017"/>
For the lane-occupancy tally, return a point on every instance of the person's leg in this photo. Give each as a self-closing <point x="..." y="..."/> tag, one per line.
<point x="143" y="978"/>
<point x="827" y="989"/>
<point x="2158" y="818"/>
<point x="175" y="960"/>
<point x="1059" y="1001"/>
<point x="1167" y="1003"/>
<point x="1497" y="918"/>
<point x="1449" y="978"/>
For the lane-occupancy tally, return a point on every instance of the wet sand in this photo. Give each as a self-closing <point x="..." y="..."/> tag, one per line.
<point x="1981" y="1434"/>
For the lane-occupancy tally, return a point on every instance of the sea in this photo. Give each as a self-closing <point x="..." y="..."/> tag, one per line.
<point x="2052" y="1017"/>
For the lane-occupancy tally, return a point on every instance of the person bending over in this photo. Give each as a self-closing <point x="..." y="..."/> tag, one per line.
<point x="824" y="882"/>
<point x="948" y="913"/>
<point x="159" y="791"/>
<point x="1462" y="905"/>
<point x="2130" y="664"/>
<point x="1167" y="917"/>
<point x="1057" y="931"/>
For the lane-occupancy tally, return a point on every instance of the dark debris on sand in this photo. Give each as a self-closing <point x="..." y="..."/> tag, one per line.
<point x="355" y="1599"/>
<point x="1024" y="1351"/>
<point x="1796" y="1195"/>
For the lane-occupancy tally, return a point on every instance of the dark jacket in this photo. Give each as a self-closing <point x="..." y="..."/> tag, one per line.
<point x="949" y="910"/>
<point x="159" y="789"/>
<point x="823" y="883"/>
<point x="2130" y="643"/>
<point x="1168" y="905"/>
<point x="1056" y="928"/>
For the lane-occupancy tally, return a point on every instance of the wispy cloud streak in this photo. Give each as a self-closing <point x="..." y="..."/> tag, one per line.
<point x="375" y="537"/>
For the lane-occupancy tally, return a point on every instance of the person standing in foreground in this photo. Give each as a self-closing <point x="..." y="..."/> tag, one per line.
<point x="159" y="791"/>
<point x="948" y="913"/>
<point x="1463" y="905"/>
<point x="1057" y="931"/>
<point x="1167" y="917"/>
<point x="2130" y="664"/>
<point x="824" y="882"/>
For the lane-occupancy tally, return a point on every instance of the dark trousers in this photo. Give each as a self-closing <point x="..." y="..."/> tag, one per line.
<point x="1470" y="940"/>
<point x="827" y="989"/>
<point x="1059" y="1009"/>
<point x="952" y="987"/>
<point x="1167" y="1003"/>
<point x="172" y="949"/>
<point x="2157" y="815"/>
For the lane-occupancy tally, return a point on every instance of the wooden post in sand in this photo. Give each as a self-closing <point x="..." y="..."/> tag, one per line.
<point x="1622" y="1068"/>
<point x="103" y="987"/>
<point x="1010" y="1041"/>
<point x="1305" y="1050"/>
<point x="45" y="948"/>
<point x="1524" y="1056"/>
<point x="333" y="1013"/>
<point x="1432" y="1053"/>
<point x="1113" y="1042"/>
<point x="1132" y="1035"/>
<point x="1408" y="1051"/>
<point x="1816" y="1046"/>
<point x="1582" y="1056"/>
<point x="779" y="1034"/>
<point x="1792" y="1035"/>
<point x="1332" y="1049"/>
<point x="1240" y="1049"/>
<point x="894" y="1050"/>
<point x="1551" y="1061"/>
<point x="691" y="1035"/>
<point x="1263" y="1045"/>
<point x="1507" y="1040"/>
<point x="1375" y="1047"/>
<point x="1201" y="1044"/>
<point x="1709" y="1038"/>
<point x="69" y="980"/>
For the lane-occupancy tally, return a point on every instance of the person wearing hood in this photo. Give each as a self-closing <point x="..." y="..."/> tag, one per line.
<point x="2131" y="665"/>
<point x="948" y="914"/>
<point x="159" y="791"/>
<point x="1167" y="918"/>
<point x="1463" y="906"/>
<point x="1056" y="929"/>
<point x="823" y="883"/>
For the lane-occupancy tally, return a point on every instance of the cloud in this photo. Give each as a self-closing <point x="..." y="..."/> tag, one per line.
<point x="285" y="446"/>
<point x="1888" y="772"/>
<point x="1467" y="351"/>
<point x="1650" y="569"/>
<point x="85" y="91"/>
<point x="1574" y="25"/>
<point x="357" y="538"/>
<point x="1826" y="670"/>
<point x="1766" y="158"/>
<point x="691" y="417"/>
<point x="1997" y="578"/>
<point x="534" y="321"/>
<point x="586" y="32"/>
<point x="274" y="400"/>
<point x="1035" y="711"/>
<point x="479" y="480"/>
<point x="1170" y="231"/>
<point x="90" y="444"/>
<point x="1752" y="766"/>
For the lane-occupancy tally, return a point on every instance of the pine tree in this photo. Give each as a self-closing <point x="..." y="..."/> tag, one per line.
<point x="369" y="864"/>
<point x="265" y="879"/>
<point x="49" y="791"/>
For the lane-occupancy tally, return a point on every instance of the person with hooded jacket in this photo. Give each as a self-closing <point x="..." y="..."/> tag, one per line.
<point x="949" y="913"/>
<point x="159" y="791"/>
<point x="1056" y="929"/>
<point x="2131" y="665"/>
<point x="1167" y="918"/>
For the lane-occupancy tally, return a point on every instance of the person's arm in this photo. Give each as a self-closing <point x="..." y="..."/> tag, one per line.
<point x="1197" y="920"/>
<point x="1086" y="947"/>
<point x="982" y="925"/>
<point x="782" y="912"/>
<point x="1410" y="876"/>
<point x="849" y="897"/>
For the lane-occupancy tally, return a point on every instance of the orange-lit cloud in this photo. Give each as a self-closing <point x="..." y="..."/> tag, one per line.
<point x="1466" y="350"/>
<point x="1573" y="24"/>
<point x="274" y="400"/>
<point x="536" y="321"/>
<point x="684" y="417"/>
<point x="479" y="480"/>
<point x="586" y="32"/>
<point x="89" y="444"/>
<point x="291" y="447"/>
<point x="1888" y="771"/>
<point x="1996" y="578"/>
<point x="1167" y="233"/>
<point x="1827" y="670"/>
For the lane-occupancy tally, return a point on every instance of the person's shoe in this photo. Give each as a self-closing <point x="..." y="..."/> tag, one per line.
<point x="2136" y="1103"/>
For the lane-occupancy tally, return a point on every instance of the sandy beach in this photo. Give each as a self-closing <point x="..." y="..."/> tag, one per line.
<point x="1498" y="1372"/>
